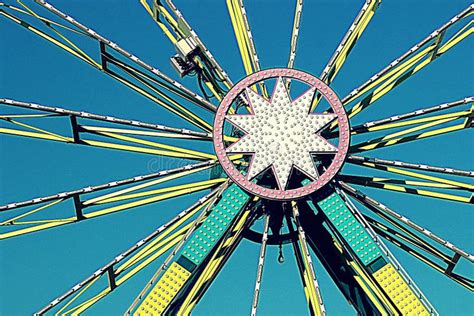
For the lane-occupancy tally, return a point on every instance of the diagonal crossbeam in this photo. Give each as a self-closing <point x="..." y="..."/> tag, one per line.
<point x="405" y="188"/>
<point x="405" y="238"/>
<point x="360" y="160"/>
<point x="394" y="121"/>
<point x="124" y="258"/>
<point x="380" y="208"/>
<point x="80" y="206"/>
<point x="393" y="169"/>
<point x="158" y="95"/>
<point x="126" y="143"/>
<point x="105" y="118"/>
<point x="405" y="66"/>
<point x="427" y="131"/>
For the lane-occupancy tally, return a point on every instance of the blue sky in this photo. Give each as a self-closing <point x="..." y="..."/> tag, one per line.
<point x="36" y="268"/>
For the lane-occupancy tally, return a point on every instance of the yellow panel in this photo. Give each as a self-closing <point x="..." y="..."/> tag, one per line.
<point x="399" y="292"/>
<point x="164" y="291"/>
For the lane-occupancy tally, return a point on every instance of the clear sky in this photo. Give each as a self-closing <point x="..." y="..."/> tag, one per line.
<point x="38" y="267"/>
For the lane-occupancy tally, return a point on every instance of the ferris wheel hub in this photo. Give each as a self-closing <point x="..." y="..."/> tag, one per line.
<point x="281" y="135"/>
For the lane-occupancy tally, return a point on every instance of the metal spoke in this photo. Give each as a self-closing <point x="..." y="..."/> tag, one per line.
<point x="408" y="165"/>
<point x="372" y="182"/>
<point x="390" y="122"/>
<point x="393" y="261"/>
<point x="400" y="138"/>
<point x="448" y="183"/>
<point x="407" y="65"/>
<point x="243" y="35"/>
<point x="177" y="248"/>
<point x="349" y="40"/>
<point x="80" y="206"/>
<point x="111" y="266"/>
<point x="295" y="33"/>
<point x="346" y="45"/>
<point x="261" y="262"/>
<point x="157" y="95"/>
<point x="78" y="130"/>
<point x="374" y="204"/>
<point x="216" y="262"/>
<point x="105" y="118"/>
<point x="310" y="282"/>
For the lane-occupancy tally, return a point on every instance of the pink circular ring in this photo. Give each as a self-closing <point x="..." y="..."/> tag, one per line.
<point x="277" y="194"/>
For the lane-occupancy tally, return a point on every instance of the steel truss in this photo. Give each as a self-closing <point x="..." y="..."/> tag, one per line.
<point x="199" y="240"/>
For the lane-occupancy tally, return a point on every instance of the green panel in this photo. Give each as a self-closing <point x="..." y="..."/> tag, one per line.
<point x="349" y="228"/>
<point x="212" y="229"/>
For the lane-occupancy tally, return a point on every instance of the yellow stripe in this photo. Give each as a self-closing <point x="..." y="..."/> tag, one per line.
<point x="419" y="136"/>
<point x="74" y="47"/>
<point x="76" y="296"/>
<point x="30" y="212"/>
<point x="190" y="300"/>
<point x="394" y="73"/>
<point x="310" y="289"/>
<point x="50" y="39"/>
<point x="417" y="128"/>
<point x="139" y="132"/>
<point x="364" y="21"/>
<point x="202" y="184"/>
<point x="137" y="149"/>
<point x="456" y="38"/>
<point x="6" y="117"/>
<point x="32" y="134"/>
<point x="43" y="19"/>
<point x="153" y="246"/>
<point x="163" y="27"/>
<point x="39" y="130"/>
<point x="181" y="112"/>
<point x="398" y="72"/>
<point x="143" y="185"/>
<point x="141" y="202"/>
<point x="188" y="152"/>
<point x="444" y="196"/>
<point x="377" y="294"/>
<point x="426" y="177"/>
<point x="417" y="121"/>
<point x="36" y="228"/>
<point x="159" y="249"/>
<point x="240" y="40"/>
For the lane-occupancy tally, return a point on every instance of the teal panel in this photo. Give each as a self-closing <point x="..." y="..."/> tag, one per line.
<point x="350" y="229"/>
<point x="211" y="230"/>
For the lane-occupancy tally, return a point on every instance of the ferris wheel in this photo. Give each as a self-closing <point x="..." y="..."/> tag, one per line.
<point x="288" y="167"/>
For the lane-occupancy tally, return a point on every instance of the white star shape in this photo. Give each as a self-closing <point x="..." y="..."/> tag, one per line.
<point x="281" y="134"/>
